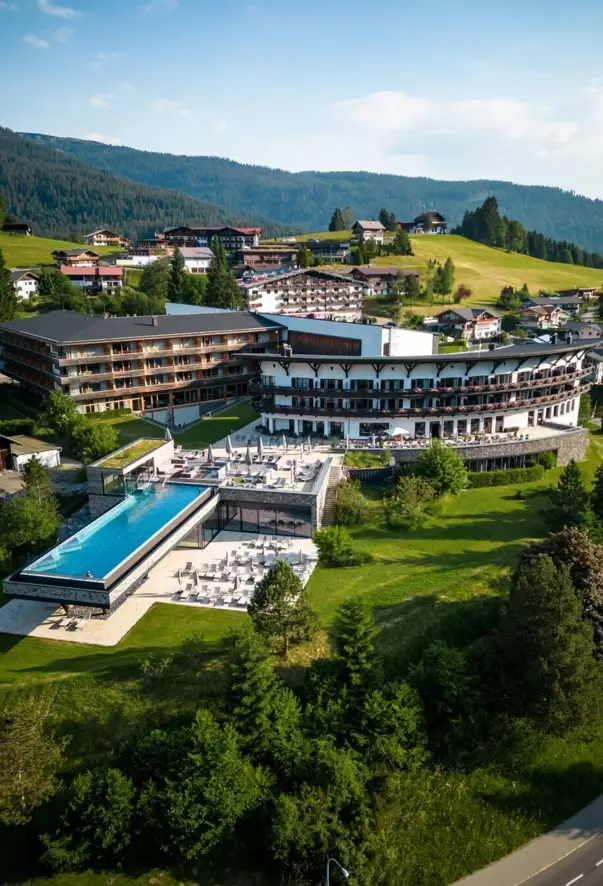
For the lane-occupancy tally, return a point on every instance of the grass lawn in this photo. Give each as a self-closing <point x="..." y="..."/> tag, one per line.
<point x="133" y="452"/>
<point x="208" y="430"/>
<point x="25" y="251"/>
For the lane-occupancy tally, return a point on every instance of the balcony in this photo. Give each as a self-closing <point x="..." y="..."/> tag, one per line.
<point x="174" y="385"/>
<point x="267" y="405"/>
<point x="289" y="391"/>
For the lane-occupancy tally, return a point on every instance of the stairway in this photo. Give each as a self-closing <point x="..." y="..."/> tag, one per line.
<point x="335" y="477"/>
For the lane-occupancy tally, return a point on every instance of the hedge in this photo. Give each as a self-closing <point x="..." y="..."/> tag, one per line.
<point x="10" y="426"/>
<point x="503" y="478"/>
<point x="108" y="414"/>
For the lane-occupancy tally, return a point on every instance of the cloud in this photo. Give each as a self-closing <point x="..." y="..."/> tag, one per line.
<point x="101" y="57"/>
<point x="170" y="106"/>
<point x="101" y="137"/>
<point x="102" y="100"/>
<point x="8" y="7"/>
<point x="34" y="40"/>
<point x="60" y="11"/>
<point x="126" y="86"/>
<point x="63" y="35"/>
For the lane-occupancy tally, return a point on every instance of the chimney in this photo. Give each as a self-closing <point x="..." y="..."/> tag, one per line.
<point x="154" y="321"/>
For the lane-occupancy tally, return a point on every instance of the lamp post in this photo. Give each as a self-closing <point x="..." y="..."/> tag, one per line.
<point x="345" y="873"/>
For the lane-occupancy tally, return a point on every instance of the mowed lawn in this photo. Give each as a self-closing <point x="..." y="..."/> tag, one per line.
<point x="25" y="251"/>
<point x="466" y="553"/>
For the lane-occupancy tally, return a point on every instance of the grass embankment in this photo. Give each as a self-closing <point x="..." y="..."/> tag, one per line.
<point x="132" y="453"/>
<point x="28" y="251"/>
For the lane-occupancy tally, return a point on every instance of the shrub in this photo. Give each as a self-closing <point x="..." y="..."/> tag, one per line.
<point x="351" y="507"/>
<point x="409" y="505"/>
<point x="504" y="478"/>
<point x="548" y="460"/>
<point x="334" y="545"/>
<point x="366" y="459"/>
<point x="12" y="426"/>
<point x="443" y="467"/>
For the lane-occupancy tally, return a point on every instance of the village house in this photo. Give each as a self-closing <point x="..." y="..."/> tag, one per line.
<point x="24" y="283"/>
<point x="584" y="331"/>
<point x="105" y="237"/>
<point x="586" y="294"/>
<point x="330" y="251"/>
<point x="470" y="324"/>
<point x="197" y="259"/>
<point x="94" y="278"/>
<point x="571" y="304"/>
<point x="141" y="257"/>
<point x="369" y="230"/>
<point x="426" y="223"/>
<point x="75" y="258"/>
<point x="378" y="280"/>
<point x="17" y="450"/>
<point x="542" y="317"/>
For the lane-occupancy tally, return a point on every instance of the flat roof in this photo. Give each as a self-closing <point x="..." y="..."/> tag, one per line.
<point x="23" y="445"/>
<point x="508" y="352"/>
<point x="71" y="326"/>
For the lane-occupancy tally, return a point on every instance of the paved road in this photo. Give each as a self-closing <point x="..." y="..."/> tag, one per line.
<point x="584" y="867"/>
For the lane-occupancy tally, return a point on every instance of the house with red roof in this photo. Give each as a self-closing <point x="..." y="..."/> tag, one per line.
<point x="94" y="278"/>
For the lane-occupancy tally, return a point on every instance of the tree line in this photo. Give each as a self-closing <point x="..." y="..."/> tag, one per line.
<point x="486" y="225"/>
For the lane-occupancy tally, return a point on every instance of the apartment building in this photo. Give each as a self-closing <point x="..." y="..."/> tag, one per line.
<point x="232" y="239"/>
<point x="305" y="292"/>
<point x="136" y="363"/>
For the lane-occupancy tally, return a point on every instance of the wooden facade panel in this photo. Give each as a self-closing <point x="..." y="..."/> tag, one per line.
<point x="309" y="343"/>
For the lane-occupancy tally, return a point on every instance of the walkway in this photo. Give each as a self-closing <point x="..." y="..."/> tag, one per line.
<point x="570" y="853"/>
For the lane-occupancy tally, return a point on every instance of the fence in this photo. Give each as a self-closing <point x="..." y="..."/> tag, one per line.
<point x="370" y="475"/>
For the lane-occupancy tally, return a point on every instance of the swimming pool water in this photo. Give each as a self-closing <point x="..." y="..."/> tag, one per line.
<point x="106" y="542"/>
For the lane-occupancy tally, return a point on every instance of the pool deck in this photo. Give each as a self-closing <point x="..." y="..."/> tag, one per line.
<point x="30" y="618"/>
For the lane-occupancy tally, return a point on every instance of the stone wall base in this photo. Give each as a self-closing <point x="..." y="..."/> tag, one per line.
<point x="100" y="504"/>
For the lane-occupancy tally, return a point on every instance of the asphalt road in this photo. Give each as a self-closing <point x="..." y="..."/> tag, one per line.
<point x="584" y="867"/>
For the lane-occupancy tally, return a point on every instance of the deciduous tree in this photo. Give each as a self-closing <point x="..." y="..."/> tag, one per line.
<point x="280" y="607"/>
<point x="443" y="467"/>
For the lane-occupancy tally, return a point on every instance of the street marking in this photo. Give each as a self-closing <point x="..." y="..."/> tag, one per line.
<point x="575" y="880"/>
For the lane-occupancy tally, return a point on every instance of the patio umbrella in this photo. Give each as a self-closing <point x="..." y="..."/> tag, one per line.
<point x="398" y="432"/>
<point x="310" y="443"/>
<point x="260" y="448"/>
<point x="347" y="441"/>
<point x="210" y="455"/>
<point x="168" y="436"/>
<point x="373" y="441"/>
<point x="284" y="443"/>
<point x="293" y="474"/>
<point x="301" y="557"/>
<point x="229" y="448"/>
<point x="248" y="458"/>
<point x="235" y="585"/>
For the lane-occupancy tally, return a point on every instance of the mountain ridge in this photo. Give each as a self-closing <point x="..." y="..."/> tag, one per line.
<point x="305" y="200"/>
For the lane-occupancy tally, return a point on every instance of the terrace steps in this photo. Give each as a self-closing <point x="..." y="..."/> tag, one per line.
<point x="335" y="477"/>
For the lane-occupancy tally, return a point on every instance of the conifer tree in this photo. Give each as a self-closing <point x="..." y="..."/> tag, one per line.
<point x="357" y="659"/>
<point x="280" y="607"/>
<point x="36" y="481"/>
<point x="337" y="223"/>
<point x="571" y="497"/>
<point x="303" y="257"/>
<point x="547" y="650"/>
<point x="402" y="244"/>
<point x="596" y="496"/>
<point x="177" y="279"/>
<point x="251" y="687"/>
<point x="8" y="299"/>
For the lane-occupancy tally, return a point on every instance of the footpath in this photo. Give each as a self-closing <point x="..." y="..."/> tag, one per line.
<point x="543" y="852"/>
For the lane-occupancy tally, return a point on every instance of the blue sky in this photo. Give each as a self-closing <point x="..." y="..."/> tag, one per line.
<point x="509" y="89"/>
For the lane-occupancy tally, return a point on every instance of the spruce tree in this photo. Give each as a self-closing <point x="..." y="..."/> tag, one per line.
<point x="337" y="223"/>
<point x="251" y="688"/>
<point x="280" y="607"/>
<point x="303" y="257"/>
<point x="547" y="650"/>
<point x="357" y="660"/>
<point x="177" y="279"/>
<point x="216" y="277"/>
<point x="447" y="277"/>
<point x="8" y="299"/>
<point x="596" y="496"/>
<point x="571" y="497"/>
<point x="402" y="244"/>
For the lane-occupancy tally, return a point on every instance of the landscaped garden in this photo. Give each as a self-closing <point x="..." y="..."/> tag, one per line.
<point x="437" y="582"/>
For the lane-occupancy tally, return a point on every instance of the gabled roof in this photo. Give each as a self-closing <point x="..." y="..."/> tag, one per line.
<point x="196" y="252"/>
<point x="73" y="252"/>
<point x="91" y="271"/>
<point x="15" y="276"/>
<point x="431" y="216"/>
<point x="370" y="225"/>
<point x="469" y="313"/>
<point x="377" y="271"/>
<point x="106" y="231"/>
<point x="576" y="325"/>
<point x="21" y="445"/>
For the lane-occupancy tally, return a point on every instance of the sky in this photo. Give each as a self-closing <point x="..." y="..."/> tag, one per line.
<point x="502" y="89"/>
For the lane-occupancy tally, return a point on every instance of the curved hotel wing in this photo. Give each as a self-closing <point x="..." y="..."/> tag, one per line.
<point x="520" y="388"/>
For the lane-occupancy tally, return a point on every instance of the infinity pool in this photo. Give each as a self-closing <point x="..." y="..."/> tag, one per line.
<point x="109" y="540"/>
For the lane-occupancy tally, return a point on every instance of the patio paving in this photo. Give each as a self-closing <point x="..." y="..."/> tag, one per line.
<point x="168" y="583"/>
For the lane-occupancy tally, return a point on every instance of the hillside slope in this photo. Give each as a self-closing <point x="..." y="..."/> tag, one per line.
<point x="58" y="194"/>
<point x="485" y="271"/>
<point x="25" y="252"/>
<point x="307" y="199"/>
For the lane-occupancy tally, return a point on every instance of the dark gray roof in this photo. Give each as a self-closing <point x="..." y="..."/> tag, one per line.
<point x="577" y="325"/>
<point x="511" y="352"/>
<point x="69" y="326"/>
<point x="469" y="313"/>
<point x="16" y="275"/>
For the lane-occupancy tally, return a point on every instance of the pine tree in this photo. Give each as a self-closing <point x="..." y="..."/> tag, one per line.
<point x="357" y="660"/>
<point x="251" y="688"/>
<point x="447" y="277"/>
<point x="337" y="223"/>
<point x="8" y="300"/>
<point x="547" y="650"/>
<point x="177" y="279"/>
<point x="402" y="244"/>
<point x="571" y="497"/>
<point x="216" y="277"/>
<point x="280" y="607"/>
<point x="596" y="496"/>
<point x="303" y="257"/>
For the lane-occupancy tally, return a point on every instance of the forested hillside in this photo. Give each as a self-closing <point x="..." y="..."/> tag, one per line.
<point x="307" y="199"/>
<point x="59" y="195"/>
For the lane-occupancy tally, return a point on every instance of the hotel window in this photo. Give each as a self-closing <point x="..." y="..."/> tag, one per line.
<point x="475" y="425"/>
<point x="461" y="427"/>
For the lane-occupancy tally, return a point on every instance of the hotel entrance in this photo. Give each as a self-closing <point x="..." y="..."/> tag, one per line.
<point x="435" y="429"/>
